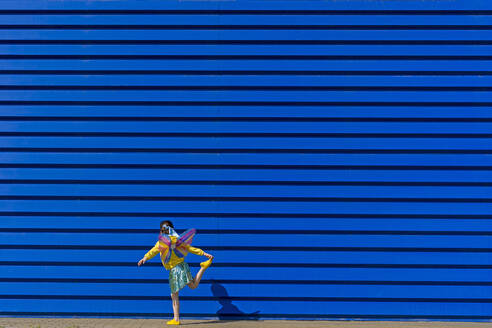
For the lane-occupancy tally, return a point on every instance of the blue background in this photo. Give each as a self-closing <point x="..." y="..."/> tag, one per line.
<point x="334" y="156"/>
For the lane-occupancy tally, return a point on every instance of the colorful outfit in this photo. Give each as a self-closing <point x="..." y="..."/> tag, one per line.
<point x="179" y="271"/>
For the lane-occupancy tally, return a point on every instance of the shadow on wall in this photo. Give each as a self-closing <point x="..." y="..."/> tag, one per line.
<point x="229" y="311"/>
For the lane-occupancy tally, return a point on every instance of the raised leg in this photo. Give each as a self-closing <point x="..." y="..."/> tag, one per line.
<point x="194" y="284"/>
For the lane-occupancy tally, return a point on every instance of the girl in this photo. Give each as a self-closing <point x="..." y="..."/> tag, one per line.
<point x="179" y="274"/>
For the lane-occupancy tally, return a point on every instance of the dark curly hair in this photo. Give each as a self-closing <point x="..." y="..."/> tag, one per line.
<point x="169" y="223"/>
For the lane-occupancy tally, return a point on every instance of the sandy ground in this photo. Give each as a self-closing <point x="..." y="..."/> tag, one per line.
<point x="154" y="323"/>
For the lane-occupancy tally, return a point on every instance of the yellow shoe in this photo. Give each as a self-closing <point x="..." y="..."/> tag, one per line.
<point x="206" y="264"/>
<point x="173" y="322"/>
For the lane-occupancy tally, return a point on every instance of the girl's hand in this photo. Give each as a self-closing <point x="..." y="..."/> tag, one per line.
<point x="208" y="255"/>
<point x="142" y="261"/>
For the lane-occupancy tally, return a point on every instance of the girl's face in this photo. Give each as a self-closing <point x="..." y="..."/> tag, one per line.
<point x="165" y="229"/>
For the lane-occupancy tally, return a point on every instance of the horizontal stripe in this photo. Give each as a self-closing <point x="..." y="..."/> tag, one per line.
<point x="237" y="27"/>
<point x="246" y="72"/>
<point x="245" y="150"/>
<point x="246" y="20"/>
<point x="211" y="307"/>
<point x="238" y="273"/>
<point x="249" y="199"/>
<point x="249" y="215"/>
<point x="258" y="298"/>
<point x="264" y="248"/>
<point x="239" y="50"/>
<point x="239" y="119"/>
<point x="296" y="83"/>
<point x="252" y="42"/>
<point x="245" y="88"/>
<point x="113" y="192"/>
<point x="244" y="166"/>
<point x="244" y="119"/>
<point x="238" y="12"/>
<point x="256" y="232"/>
<point x="242" y="98"/>
<point x="245" y="112"/>
<point x="243" y="103"/>
<point x="247" y="257"/>
<point x="192" y="65"/>
<point x="248" y="178"/>
<point x="244" y="6"/>
<point x="255" y="159"/>
<point x="250" y="208"/>
<point x="255" y="281"/>
<point x="260" y="81"/>
<point x="255" y="258"/>
<point x="249" y="290"/>
<point x="250" y="182"/>
<point x="276" y="144"/>
<point x="253" y="57"/>
<point x="249" y="66"/>
<point x="274" y="81"/>
<point x="403" y="225"/>
<point x="256" y="265"/>
<point x="254" y="242"/>
<point x="293" y="36"/>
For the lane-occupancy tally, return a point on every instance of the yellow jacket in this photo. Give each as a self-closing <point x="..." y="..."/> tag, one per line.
<point x="174" y="260"/>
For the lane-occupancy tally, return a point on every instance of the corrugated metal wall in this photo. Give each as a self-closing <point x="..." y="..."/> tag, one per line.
<point x="334" y="157"/>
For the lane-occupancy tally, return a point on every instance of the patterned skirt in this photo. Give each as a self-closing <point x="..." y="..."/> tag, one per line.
<point x="179" y="276"/>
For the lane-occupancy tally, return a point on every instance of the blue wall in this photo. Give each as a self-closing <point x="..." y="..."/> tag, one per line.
<point x="334" y="156"/>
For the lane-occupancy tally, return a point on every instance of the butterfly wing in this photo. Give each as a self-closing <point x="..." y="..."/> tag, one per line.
<point x="184" y="241"/>
<point x="165" y="247"/>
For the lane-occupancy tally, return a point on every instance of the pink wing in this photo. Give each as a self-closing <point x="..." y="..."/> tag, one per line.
<point x="183" y="241"/>
<point x="165" y="249"/>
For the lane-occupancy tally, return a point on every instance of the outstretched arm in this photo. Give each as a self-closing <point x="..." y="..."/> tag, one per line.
<point x="150" y="254"/>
